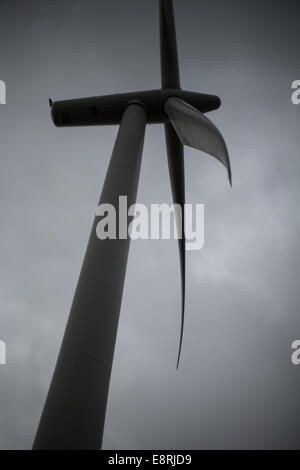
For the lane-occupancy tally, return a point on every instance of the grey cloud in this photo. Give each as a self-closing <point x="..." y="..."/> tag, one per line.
<point x="236" y="386"/>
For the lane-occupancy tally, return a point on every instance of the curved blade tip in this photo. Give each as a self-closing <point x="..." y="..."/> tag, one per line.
<point x="181" y="329"/>
<point x="229" y="176"/>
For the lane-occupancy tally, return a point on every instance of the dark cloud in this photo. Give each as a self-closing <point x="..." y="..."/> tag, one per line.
<point x="236" y="386"/>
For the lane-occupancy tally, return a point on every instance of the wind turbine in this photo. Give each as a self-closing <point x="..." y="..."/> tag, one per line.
<point x="74" y="412"/>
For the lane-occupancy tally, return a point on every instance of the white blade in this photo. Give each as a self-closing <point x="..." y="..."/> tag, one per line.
<point x="196" y="130"/>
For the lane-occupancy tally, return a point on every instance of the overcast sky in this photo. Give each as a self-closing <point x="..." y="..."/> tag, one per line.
<point x="236" y="386"/>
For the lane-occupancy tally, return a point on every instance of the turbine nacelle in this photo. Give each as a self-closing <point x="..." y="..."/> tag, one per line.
<point x="108" y="110"/>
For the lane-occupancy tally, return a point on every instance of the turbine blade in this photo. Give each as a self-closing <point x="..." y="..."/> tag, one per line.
<point x="176" y="171"/>
<point x="168" y="46"/>
<point x="196" y="130"/>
